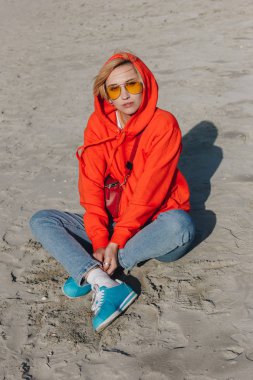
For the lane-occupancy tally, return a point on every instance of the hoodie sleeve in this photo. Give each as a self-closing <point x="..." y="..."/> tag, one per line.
<point x="92" y="168"/>
<point x="153" y="185"/>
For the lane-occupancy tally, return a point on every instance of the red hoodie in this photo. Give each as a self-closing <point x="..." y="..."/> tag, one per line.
<point x="155" y="184"/>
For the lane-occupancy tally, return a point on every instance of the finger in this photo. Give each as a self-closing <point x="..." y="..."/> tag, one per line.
<point x="98" y="257"/>
<point x="106" y="265"/>
<point x="112" y="268"/>
<point x="109" y="269"/>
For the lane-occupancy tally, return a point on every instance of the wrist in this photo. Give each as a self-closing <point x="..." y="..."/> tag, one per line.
<point x="113" y="248"/>
<point x="112" y="244"/>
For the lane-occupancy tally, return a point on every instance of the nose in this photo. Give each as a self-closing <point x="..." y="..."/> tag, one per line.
<point x="124" y="94"/>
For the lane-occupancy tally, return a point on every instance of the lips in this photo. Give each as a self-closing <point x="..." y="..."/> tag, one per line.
<point x="128" y="105"/>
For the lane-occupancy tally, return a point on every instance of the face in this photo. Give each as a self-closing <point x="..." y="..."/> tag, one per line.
<point x="126" y="103"/>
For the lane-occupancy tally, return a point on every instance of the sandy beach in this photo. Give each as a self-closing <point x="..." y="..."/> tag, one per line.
<point x="193" y="319"/>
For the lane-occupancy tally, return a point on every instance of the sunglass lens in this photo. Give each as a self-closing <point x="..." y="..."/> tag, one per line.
<point x="134" y="87"/>
<point x="113" y="92"/>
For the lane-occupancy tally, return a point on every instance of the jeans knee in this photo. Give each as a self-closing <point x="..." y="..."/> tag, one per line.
<point x="180" y="225"/>
<point x="40" y="218"/>
<point x="187" y="232"/>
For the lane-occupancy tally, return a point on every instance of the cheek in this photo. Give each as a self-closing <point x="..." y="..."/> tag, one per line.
<point x="116" y="103"/>
<point x="138" y="99"/>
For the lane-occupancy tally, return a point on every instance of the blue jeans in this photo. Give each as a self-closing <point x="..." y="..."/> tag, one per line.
<point x="63" y="235"/>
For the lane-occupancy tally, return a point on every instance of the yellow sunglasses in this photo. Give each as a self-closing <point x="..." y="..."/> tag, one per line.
<point x="132" y="87"/>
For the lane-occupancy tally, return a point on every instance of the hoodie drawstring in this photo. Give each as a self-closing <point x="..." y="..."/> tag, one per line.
<point x="121" y="139"/>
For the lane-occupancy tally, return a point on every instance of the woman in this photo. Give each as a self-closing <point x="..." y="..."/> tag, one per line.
<point x="152" y="219"/>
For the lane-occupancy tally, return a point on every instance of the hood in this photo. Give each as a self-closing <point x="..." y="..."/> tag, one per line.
<point x="104" y="117"/>
<point x="106" y="111"/>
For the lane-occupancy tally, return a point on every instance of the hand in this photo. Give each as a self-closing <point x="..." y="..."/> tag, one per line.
<point x="99" y="254"/>
<point x="110" y="262"/>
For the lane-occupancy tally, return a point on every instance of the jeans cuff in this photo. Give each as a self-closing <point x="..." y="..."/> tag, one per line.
<point x="121" y="261"/>
<point x="82" y="273"/>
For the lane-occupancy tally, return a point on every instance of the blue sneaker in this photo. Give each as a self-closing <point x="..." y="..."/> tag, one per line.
<point x="71" y="290"/>
<point x="109" y="303"/>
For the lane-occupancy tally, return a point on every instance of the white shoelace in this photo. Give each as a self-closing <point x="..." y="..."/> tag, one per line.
<point x="97" y="298"/>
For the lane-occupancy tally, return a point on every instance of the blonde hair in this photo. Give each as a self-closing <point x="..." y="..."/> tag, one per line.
<point x="105" y="71"/>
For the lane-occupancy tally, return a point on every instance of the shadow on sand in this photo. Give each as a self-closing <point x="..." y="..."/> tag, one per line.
<point x="199" y="160"/>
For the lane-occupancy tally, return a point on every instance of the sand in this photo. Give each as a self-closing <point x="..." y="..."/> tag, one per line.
<point x="193" y="318"/>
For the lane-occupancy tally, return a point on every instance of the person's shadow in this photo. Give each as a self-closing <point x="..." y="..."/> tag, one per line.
<point x="199" y="160"/>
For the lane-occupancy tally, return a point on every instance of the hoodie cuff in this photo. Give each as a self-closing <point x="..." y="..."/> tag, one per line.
<point x="99" y="241"/>
<point x="120" y="237"/>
